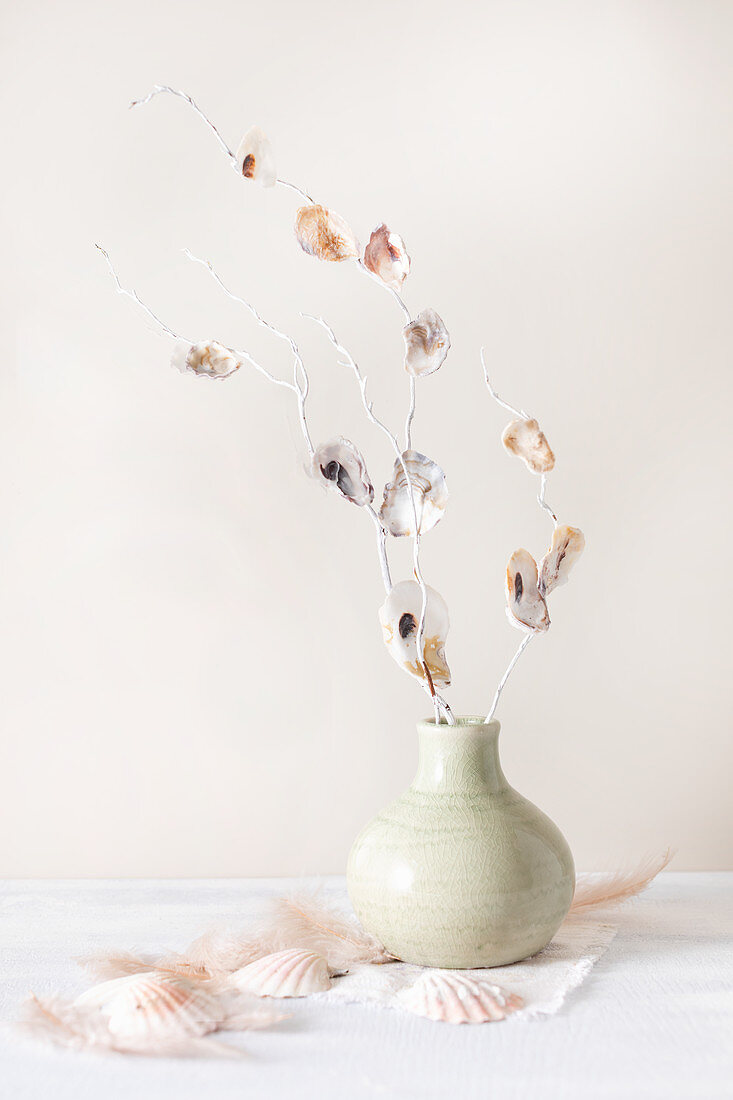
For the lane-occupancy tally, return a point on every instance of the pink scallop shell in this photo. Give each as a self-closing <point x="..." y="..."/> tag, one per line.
<point x="458" y="999"/>
<point x="292" y="973"/>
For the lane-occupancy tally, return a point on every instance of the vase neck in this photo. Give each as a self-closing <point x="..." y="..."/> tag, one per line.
<point x="460" y="759"/>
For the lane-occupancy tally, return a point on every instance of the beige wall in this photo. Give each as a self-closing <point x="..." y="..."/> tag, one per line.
<point x="191" y="670"/>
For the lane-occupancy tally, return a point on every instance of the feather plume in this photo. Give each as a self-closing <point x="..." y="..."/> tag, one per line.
<point x="215" y="954"/>
<point x="209" y="959"/>
<point x="605" y="891"/>
<point x="307" y="922"/>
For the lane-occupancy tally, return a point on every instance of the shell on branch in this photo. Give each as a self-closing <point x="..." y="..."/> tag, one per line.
<point x="339" y="465"/>
<point x="292" y="973"/>
<point x="457" y="999"/>
<point x="429" y="492"/>
<point x="400" y="619"/>
<point x="255" y="159"/>
<point x="525" y="439"/>
<point x="567" y="545"/>
<point x="426" y="344"/>
<point x="526" y="606"/>
<point x="207" y="358"/>
<point x="324" y="234"/>
<point x="386" y="257"/>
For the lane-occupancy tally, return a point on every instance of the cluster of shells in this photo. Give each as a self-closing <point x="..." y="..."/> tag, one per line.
<point x="527" y="584"/>
<point x="156" y="1012"/>
<point x="415" y="497"/>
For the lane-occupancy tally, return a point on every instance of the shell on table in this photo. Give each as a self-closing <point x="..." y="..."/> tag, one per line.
<point x="386" y="257"/>
<point x="255" y="159"/>
<point x="291" y="973"/>
<point x="324" y="234"/>
<point x="526" y="605"/>
<point x="426" y="343"/>
<point x="400" y="618"/>
<point x="429" y="493"/>
<point x="152" y="1006"/>
<point x="526" y="440"/>
<point x="207" y="358"/>
<point x="567" y="545"/>
<point x="339" y="465"/>
<point x="458" y="999"/>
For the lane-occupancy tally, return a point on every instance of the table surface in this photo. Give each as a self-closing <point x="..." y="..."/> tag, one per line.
<point x="653" y="1019"/>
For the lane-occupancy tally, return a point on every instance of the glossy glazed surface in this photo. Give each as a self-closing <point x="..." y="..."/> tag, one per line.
<point x="461" y="870"/>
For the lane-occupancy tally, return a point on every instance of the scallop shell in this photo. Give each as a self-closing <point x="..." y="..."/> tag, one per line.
<point x="429" y="491"/>
<point x="340" y="466"/>
<point x="526" y="606"/>
<point x="426" y="344"/>
<point x="324" y="234"/>
<point x="400" y="617"/>
<point x="525" y="439"/>
<point x="292" y="973"/>
<point x="206" y="358"/>
<point x="255" y="159"/>
<point x="567" y="545"/>
<point x="457" y="999"/>
<point x="386" y="257"/>
<point x="152" y="1006"/>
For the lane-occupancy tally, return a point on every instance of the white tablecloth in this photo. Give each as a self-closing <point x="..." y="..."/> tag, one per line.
<point x="653" y="1019"/>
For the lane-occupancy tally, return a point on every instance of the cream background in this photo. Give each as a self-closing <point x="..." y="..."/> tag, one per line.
<point x="192" y="679"/>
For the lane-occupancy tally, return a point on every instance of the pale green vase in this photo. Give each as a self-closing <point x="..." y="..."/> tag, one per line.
<point x="461" y="871"/>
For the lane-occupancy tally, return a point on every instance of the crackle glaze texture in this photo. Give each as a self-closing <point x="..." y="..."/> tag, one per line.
<point x="460" y="871"/>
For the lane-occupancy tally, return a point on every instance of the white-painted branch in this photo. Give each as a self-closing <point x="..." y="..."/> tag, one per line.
<point x="381" y="548"/>
<point x="499" y="400"/>
<point x="542" y="502"/>
<point x="192" y="103"/>
<point x="410" y="416"/>
<point x="132" y="294"/>
<point x="300" y="377"/>
<point x="522" y="646"/>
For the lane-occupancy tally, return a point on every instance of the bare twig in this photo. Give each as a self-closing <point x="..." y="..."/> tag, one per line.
<point x="363" y="267"/>
<point x="192" y="103"/>
<point x="499" y="400"/>
<point x="294" y="187"/>
<point x="381" y="548"/>
<point x="132" y="294"/>
<point x="542" y="502"/>
<point x="522" y="646"/>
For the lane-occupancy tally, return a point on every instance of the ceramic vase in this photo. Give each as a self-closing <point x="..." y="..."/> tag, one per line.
<point x="461" y="871"/>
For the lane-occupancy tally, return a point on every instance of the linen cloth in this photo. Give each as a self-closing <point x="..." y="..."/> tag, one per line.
<point x="543" y="982"/>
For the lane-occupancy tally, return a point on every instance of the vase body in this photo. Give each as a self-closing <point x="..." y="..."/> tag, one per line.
<point x="461" y="870"/>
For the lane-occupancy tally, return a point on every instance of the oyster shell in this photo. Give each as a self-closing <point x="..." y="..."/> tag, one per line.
<point x="426" y="343"/>
<point x="340" y="466"/>
<point x="400" y="617"/>
<point x="324" y="234"/>
<point x="567" y="545"/>
<point x="525" y="439"/>
<point x="386" y="257"/>
<point x="206" y="358"/>
<point x="429" y="491"/>
<point x="457" y="999"/>
<point x="255" y="159"/>
<point x="526" y="606"/>
<point x="153" y="1006"/>
<point x="292" y="973"/>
